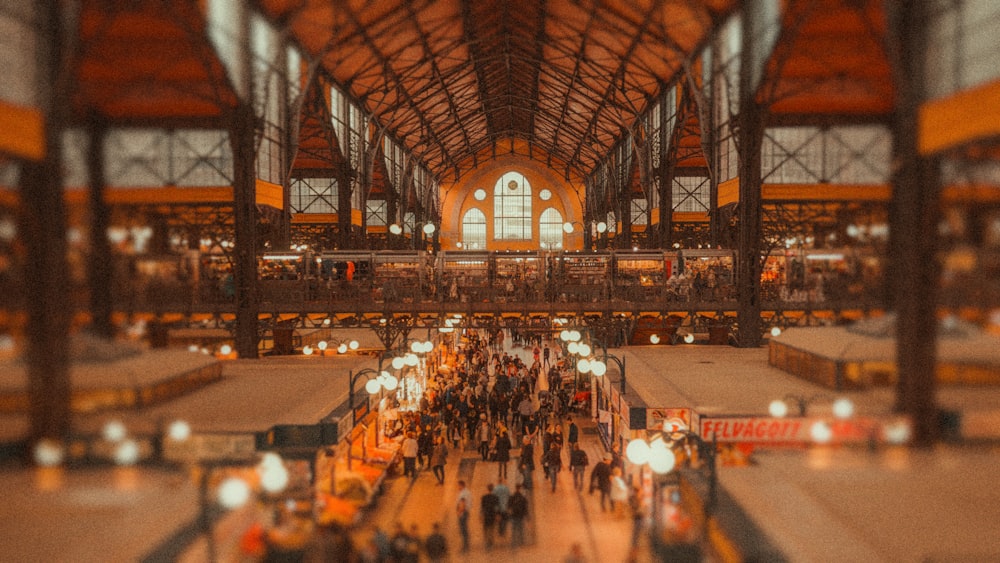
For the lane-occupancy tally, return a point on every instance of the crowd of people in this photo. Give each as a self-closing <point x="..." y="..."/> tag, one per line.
<point x="497" y="403"/>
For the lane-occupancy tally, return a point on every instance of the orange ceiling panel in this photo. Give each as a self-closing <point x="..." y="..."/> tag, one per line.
<point x="830" y="60"/>
<point x="146" y="60"/>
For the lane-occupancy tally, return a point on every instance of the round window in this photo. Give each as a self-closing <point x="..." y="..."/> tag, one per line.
<point x="479" y="194"/>
<point x="545" y="195"/>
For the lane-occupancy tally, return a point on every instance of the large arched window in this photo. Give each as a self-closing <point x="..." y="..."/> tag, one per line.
<point x="474" y="230"/>
<point x="512" y="208"/>
<point x="550" y="230"/>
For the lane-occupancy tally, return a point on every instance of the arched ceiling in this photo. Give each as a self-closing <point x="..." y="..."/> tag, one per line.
<point x="453" y="79"/>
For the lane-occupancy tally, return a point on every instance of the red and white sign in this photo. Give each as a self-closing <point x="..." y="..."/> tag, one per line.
<point x="783" y="430"/>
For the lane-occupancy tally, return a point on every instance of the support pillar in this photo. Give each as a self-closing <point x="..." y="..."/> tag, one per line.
<point x="245" y="221"/>
<point x="42" y="230"/>
<point x="748" y="237"/>
<point x="914" y="217"/>
<point x="100" y="262"/>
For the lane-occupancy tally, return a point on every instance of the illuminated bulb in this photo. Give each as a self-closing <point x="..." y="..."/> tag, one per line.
<point x="307" y="350"/>
<point x="391" y="383"/>
<point x="114" y="431"/>
<point x="573" y="347"/>
<point x="598" y="368"/>
<point x="193" y="348"/>
<point x="398" y="363"/>
<point x="689" y="338"/>
<point x="353" y="345"/>
<point x="342" y="348"/>
<point x="583" y="349"/>
<point x="776" y="332"/>
<point x="411" y="360"/>
<point x="322" y="344"/>
<point x="654" y="339"/>
<point x="49" y="453"/>
<point x="395" y="229"/>
<point x="564" y="335"/>
<point x="778" y="408"/>
<point x="273" y="473"/>
<point x="372" y="386"/>
<point x="179" y="431"/>
<point x="127" y="452"/>
<point x="843" y="408"/>
<point x="897" y="432"/>
<point x="637" y="451"/>
<point x="226" y="349"/>
<point x="233" y="493"/>
<point x="820" y="432"/>
<point x="583" y="366"/>
<point x="661" y="458"/>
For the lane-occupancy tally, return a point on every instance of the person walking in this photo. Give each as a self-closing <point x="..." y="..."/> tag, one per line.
<point x="483" y="436"/>
<point x="436" y="545"/>
<point x="517" y="511"/>
<point x="501" y="449"/>
<point x="552" y="460"/>
<point x="527" y="463"/>
<point x="463" y="503"/>
<point x="578" y="462"/>
<point x="619" y="490"/>
<point x="600" y="479"/>
<point x="409" y="448"/>
<point x="572" y="431"/>
<point x="439" y="457"/>
<point x="489" y="507"/>
<point x="502" y="492"/>
<point x="638" y="515"/>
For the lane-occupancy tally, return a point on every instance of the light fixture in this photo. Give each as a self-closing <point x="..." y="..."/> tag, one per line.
<point x="429" y="229"/>
<point x="820" y="432"/>
<point x="654" y="338"/>
<point x="395" y="229"/>
<point x="179" y="431"/>
<point x="689" y="338"/>
<point x="776" y="331"/>
<point x="661" y="457"/>
<point x="778" y="408"/>
<point x="233" y="493"/>
<point x="602" y="227"/>
<point x="843" y="408"/>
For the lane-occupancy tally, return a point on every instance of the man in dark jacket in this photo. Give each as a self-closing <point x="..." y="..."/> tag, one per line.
<point x="527" y="463"/>
<point x="489" y="510"/>
<point x="517" y="511"/>
<point x="600" y="478"/>
<point x="552" y="460"/>
<point x="578" y="463"/>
